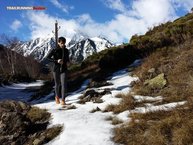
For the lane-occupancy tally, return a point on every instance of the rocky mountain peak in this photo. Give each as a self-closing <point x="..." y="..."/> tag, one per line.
<point x="80" y="47"/>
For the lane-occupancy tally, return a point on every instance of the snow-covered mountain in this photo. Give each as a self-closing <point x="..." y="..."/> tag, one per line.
<point x="80" y="47"/>
<point x="37" y="48"/>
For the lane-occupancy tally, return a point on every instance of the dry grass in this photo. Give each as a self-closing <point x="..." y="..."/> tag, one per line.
<point x="176" y="64"/>
<point x="119" y="95"/>
<point x="44" y="137"/>
<point x="130" y="134"/>
<point x="36" y="114"/>
<point x="114" y="120"/>
<point x="126" y="103"/>
<point x="109" y="118"/>
<point x="160" y="127"/>
<point x="109" y="108"/>
<point x="153" y="116"/>
<point x="172" y="127"/>
<point x="51" y="133"/>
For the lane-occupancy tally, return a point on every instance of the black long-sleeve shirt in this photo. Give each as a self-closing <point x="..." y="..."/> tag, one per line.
<point x="59" y="53"/>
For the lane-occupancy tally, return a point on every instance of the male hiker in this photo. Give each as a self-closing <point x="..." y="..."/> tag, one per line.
<point x="60" y="58"/>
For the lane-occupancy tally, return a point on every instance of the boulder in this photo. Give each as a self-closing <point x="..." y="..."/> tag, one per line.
<point x="94" y="95"/>
<point x="97" y="84"/>
<point x="157" y="82"/>
<point x="21" y="124"/>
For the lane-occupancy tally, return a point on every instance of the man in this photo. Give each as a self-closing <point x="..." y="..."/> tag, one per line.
<point x="60" y="58"/>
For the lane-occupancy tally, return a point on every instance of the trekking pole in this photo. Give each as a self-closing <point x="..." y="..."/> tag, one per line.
<point x="56" y="34"/>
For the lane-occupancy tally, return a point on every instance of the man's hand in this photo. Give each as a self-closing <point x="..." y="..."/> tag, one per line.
<point x="60" y="61"/>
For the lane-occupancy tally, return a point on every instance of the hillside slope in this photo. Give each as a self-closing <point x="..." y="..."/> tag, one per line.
<point x="166" y="71"/>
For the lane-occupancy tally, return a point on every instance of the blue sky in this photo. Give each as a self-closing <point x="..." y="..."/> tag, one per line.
<point x="116" y="20"/>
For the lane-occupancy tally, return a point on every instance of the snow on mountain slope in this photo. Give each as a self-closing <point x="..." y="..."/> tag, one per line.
<point x="85" y="47"/>
<point x="38" y="48"/>
<point x="80" y="47"/>
<point x="82" y="127"/>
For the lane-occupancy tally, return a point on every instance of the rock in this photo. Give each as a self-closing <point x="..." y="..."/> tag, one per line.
<point x="98" y="109"/>
<point x="94" y="94"/>
<point x="157" y="82"/>
<point x="152" y="70"/>
<point x="91" y="93"/>
<point x="12" y="117"/>
<point x="13" y="122"/>
<point x="13" y="106"/>
<point x="19" y="122"/>
<point x="97" y="84"/>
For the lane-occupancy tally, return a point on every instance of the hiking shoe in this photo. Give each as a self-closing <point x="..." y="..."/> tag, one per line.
<point x="63" y="102"/>
<point x="57" y="99"/>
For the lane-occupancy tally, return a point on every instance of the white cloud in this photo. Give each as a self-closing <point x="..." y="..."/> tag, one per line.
<point x="126" y="26"/>
<point x="43" y="27"/>
<point x="143" y="14"/>
<point x="153" y="11"/>
<point x="63" y="7"/>
<point x="116" y="30"/>
<point x="116" y="5"/>
<point x="16" y="25"/>
<point x="84" y="19"/>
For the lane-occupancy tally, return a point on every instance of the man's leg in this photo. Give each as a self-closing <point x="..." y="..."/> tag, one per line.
<point x="56" y="76"/>
<point x="63" y="78"/>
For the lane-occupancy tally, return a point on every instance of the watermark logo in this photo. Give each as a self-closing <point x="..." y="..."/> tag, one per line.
<point x="26" y="8"/>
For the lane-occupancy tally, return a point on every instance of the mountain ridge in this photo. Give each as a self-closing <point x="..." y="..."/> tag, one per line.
<point x="80" y="47"/>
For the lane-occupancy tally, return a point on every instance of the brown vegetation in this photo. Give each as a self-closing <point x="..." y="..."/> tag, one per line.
<point x="176" y="64"/>
<point x="23" y="124"/>
<point x="169" y="50"/>
<point x="15" y="67"/>
<point x="160" y="127"/>
<point x="114" y="120"/>
<point x="127" y="103"/>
